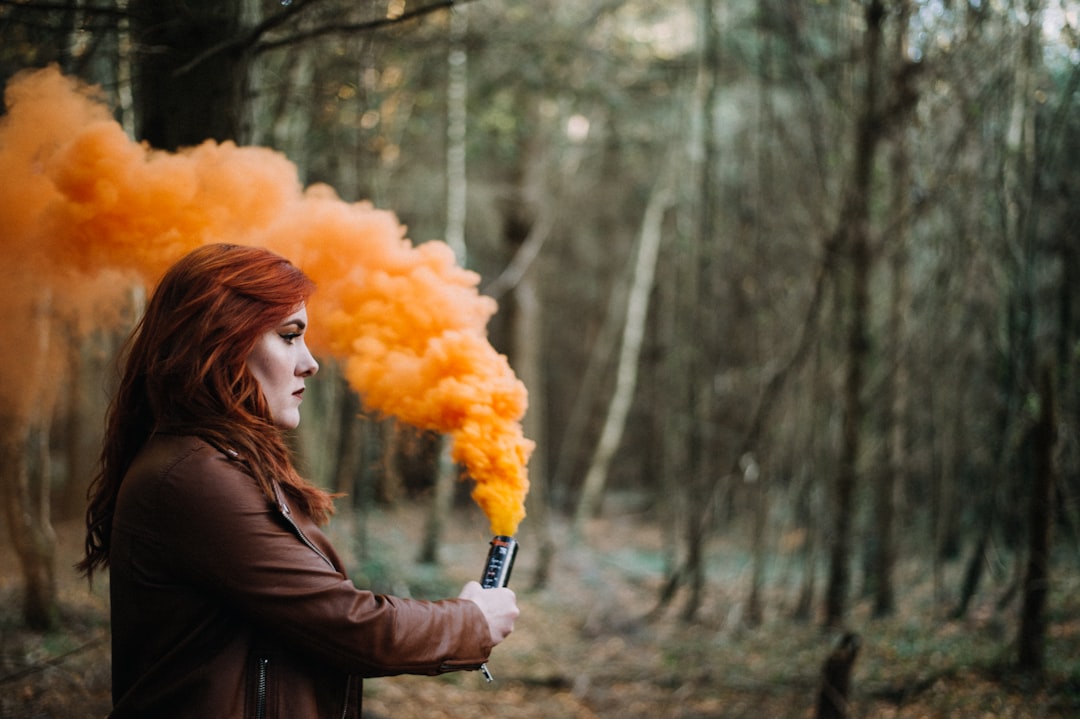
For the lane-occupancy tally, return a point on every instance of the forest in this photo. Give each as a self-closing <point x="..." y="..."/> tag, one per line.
<point x="791" y="291"/>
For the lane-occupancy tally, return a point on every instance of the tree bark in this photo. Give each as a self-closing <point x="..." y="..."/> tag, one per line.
<point x="446" y="471"/>
<point x="699" y="486"/>
<point x="1036" y="587"/>
<point x="389" y="482"/>
<point x="439" y="506"/>
<point x="892" y="476"/>
<point x="25" y="477"/>
<point x="528" y="363"/>
<point x="855" y="229"/>
<point x="457" y="86"/>
<point x="690" y="366"/>
<point x="344" y="472"/>
<point x="24" y="486"/>
<point x="629" y="354"/>
<point x="572" y="448"/>
<point x="760" y="497"/>
<point x="191" y="79"/>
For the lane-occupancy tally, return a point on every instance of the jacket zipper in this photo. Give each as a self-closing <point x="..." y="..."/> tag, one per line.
<point x="283" y="506"/>
<point x="345" y="701"/>
<point x="260" y="690"/>
<point x="287" y="513"/>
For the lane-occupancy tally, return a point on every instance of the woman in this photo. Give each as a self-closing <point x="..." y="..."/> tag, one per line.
<point x="226" y="598"/>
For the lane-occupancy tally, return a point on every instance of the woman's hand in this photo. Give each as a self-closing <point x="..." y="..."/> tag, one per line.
<point x="499" y="606"/>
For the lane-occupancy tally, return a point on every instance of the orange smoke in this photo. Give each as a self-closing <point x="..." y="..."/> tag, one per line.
<point x="78" y="198"/>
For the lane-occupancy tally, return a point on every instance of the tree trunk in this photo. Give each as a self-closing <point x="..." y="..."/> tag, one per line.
<point x="288" y="128"/>
<point x="25" y="476"/>
<point x="760" y="498"/>
<point x="1019" y="172"/>
<point x="586" y="397"/>
<point x="446" y="473"/>
<point x="528" y="363"/>
<point x="440" y="506"/>
<point x="692" y="366"/>
<point x="670" y="419"/>
<point x="855" y="229"/>
<point x="700" y="485"/>
<point x="694" y="573"/>
<point x="751" y="471"/>
<point x="1036" y="588"/>
<point x="892" y="476"/>
<point x="525" y="309"/>
<point x="24" y="491"/>
<point x="972" y="572"/>
<point x="389" y="482"/>
<point x="456" y="115"/>
<point x="804" y="604"/>
<point x="943" y="498"/>
<point x="190" y="84"/>
<point x="343" y="471"/>
<point x="629" y="355"/>
<point x="351" y="438"/>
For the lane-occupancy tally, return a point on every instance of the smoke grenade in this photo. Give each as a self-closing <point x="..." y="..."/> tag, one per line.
<point x="500" y="562"/>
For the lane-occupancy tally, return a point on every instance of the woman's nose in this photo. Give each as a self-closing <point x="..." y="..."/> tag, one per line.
<point x="308" y="365"/>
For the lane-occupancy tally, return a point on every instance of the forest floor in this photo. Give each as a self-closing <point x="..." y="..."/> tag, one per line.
<point x="583" y="647"/>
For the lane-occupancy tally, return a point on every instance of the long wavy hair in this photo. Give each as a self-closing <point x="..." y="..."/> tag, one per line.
<point x="184" y="372"/>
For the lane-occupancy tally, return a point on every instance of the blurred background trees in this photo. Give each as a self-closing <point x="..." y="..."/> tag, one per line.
<point x="864" y="289"/>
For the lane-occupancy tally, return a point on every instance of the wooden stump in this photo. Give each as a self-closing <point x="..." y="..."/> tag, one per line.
<point x="832" y="700"/>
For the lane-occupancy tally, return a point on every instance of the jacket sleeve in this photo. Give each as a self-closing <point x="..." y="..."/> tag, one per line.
<point x="225" y="537"/>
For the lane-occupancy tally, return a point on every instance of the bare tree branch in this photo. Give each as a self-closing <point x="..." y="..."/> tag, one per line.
<point x="522" y="259"/>
<point x="43" y="7"/>
<point x="251" y="40"/>
<point x="353" y="28"/>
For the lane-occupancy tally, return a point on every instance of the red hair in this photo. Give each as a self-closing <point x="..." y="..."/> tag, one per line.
<point x="185" y="373"/>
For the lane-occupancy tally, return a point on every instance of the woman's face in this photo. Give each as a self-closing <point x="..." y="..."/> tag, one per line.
<point x="280" y="361"/>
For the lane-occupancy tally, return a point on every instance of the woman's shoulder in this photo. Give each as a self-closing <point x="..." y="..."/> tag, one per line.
<point x="178" y="481"/>
<point x="165" y="453"/>
<point x="189" y="464"/>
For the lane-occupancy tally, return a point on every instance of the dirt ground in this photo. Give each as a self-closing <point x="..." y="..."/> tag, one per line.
<point x="583" y="647"/>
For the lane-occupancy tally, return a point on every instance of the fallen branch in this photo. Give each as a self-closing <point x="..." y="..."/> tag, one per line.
<point x="49" y="663"/>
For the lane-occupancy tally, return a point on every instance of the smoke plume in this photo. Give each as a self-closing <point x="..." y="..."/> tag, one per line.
<point x="81" y="204"/>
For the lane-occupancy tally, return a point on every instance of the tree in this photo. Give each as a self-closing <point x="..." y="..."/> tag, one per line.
<point x="854" y="229"/>
<point x="456" y="210"/>
<point x="696" y="361"/>
<point x="1031" y="638"/>
<point x="191" y="76"/>
<point x="897" y="108"/>
<point x="637" y="311"/>
<point x="24" y="468"/>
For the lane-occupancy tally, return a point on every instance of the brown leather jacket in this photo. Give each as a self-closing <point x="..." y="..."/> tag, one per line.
<point x="225" y="605"/>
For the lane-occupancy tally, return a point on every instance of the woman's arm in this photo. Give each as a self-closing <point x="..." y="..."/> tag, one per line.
<point x="230" y="541"/>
